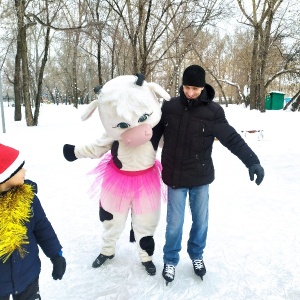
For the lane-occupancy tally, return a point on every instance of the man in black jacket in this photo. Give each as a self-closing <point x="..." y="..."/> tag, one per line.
<point x="189" y="124"/>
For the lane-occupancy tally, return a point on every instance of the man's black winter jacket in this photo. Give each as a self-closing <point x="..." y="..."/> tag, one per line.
<point x="189" y="128"/>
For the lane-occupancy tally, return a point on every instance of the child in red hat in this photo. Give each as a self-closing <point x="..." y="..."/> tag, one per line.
<point x="23" y="226"/>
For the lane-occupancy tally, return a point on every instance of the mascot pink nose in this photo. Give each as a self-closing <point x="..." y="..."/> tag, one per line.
<point x="137" y="136"/>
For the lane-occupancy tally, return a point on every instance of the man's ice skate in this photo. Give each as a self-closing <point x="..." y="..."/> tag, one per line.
<point x="199" y="267"/>
<point x="100" y="260"/>
<point x="168" y="273"/>
<point x="150" y="267"/>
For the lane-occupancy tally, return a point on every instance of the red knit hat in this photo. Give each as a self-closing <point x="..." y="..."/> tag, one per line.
<point x="10" y="162"/>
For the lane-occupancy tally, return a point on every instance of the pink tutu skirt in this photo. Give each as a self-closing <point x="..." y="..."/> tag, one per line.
<point x="119" y="191"/>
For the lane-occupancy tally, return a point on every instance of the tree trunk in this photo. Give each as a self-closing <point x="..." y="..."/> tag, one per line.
<point x="74" y="70"/>
<point x="254" y="70"/>
<point x="20" y="9"/>
<point x="261" y="45"/>
<point x="19" y="6"/>
<point x="264" y="49"/>
<point x="40" y="78"/>
<point x="26" y="78"/>
<point x="294" y="102"/>
<point x="18" y="82"/>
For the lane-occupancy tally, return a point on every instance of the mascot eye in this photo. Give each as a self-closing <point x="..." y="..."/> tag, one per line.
<point x="122" y="125"/>
<point x="144" y="117"/>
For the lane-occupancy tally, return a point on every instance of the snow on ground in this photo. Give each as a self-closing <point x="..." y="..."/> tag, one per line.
<point x="253" y="240"/>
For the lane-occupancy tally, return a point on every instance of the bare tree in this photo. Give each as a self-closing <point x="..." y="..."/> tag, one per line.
<point x="22" y="86"/>
<point x="261" y="18"/>
<point x="188" y="31"/>
<point x="100" y="15"/>
<point x="41" y="69"/>
<point x="22" y="83"/>
<point x="145" y="23"/>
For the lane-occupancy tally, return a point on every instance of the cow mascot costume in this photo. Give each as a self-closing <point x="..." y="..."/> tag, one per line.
<point x="128" y="177"/>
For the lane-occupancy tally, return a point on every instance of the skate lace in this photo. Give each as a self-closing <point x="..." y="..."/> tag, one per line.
<point x="170" y="270"/>
<point x="198" y="264"/>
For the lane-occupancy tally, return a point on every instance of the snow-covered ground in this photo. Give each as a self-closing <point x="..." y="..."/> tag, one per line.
<point x="253" y="241"/>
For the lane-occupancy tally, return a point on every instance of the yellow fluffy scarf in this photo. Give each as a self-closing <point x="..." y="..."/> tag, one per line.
<point x="15" y="211"/>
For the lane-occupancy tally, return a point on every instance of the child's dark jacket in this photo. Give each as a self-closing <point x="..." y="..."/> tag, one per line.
<point x="17" y="273"/>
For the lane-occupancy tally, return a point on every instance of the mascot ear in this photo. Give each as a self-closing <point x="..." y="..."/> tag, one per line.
<point x="89" y="110"/>
<point x="92" y="106"/>
<point x="156" y="88"/>
<point x="97" y="89"/>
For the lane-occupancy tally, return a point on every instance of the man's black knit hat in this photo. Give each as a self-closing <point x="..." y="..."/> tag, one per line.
<point x="194" y="75"/>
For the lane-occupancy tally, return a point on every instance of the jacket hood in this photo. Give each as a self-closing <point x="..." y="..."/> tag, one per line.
<point x="33" y="185"/>
<point x="206" y="96"/>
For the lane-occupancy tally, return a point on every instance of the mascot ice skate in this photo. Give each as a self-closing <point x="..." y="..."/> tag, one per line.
<point x="127" y="179"/>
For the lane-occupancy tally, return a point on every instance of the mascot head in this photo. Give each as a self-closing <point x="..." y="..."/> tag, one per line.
<point x="128" y="108"/>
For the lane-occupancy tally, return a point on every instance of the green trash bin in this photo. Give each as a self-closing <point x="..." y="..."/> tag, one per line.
<point x="275" y="100"/>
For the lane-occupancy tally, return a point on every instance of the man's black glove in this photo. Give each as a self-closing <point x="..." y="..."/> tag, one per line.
<point x="257" y="170"/>
<point x="59" y="266"/>
<point x="69" y="152"/>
